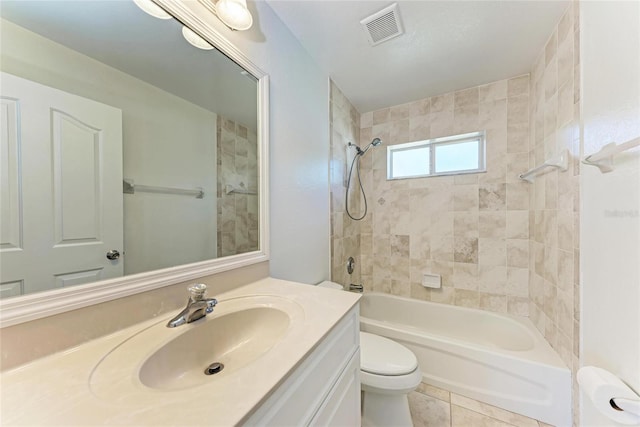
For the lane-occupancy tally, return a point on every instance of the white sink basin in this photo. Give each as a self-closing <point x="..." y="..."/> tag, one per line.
<point x="160" y="359"/>
<point x="235" y="340"/>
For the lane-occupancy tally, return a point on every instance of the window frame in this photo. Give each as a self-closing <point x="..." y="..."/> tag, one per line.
<point x="432" y="144"/>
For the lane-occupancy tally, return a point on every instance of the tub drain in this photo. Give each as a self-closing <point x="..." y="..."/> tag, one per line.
<point x="214" y="368"/>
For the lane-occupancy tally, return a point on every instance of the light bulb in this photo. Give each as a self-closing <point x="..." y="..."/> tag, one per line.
<point x="234" y="13"/>
<point x="152" y="9"/>
<point x="195" y="40"/>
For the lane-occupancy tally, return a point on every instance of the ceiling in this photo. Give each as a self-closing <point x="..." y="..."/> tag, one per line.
<point x="119" y="34"/>
<point x="447" y="45"/>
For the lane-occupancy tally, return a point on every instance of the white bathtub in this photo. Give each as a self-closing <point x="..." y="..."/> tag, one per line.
<point x="490" y="357"/>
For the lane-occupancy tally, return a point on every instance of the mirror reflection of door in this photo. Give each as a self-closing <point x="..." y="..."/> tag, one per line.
<point x="62" y="214"/>
<point x="189" y="137"/>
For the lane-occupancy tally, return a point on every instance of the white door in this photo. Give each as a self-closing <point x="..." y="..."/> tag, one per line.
<point x="61" y="188"/>
<point x="610" y="202"/>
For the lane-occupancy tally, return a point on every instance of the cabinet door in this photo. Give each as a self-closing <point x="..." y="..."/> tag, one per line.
<point x="342" y="406"/>
<point x="299" y="399"/>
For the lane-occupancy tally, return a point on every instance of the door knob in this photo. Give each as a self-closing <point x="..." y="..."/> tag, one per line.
<point x="113" y="254"/>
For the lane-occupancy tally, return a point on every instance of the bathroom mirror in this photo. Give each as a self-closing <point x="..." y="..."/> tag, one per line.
<point x="131" y="158"/>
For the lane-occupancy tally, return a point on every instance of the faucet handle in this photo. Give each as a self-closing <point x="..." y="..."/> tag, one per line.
<point x="212" y="302"/>
<point x="197" y="291"/>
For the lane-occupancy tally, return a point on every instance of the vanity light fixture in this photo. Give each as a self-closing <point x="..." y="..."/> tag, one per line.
<point x="233" y="13"/>
<point x="195" y="40"/>
<point x="152" y="9"/>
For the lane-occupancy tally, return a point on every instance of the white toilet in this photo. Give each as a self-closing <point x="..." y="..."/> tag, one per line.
<point x="388" y="373"/>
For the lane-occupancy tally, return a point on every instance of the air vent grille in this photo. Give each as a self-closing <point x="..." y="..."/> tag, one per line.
<point x="383" y="25"/>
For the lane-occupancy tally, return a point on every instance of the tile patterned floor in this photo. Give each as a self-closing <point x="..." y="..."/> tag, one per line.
<point x="435" y="407"/>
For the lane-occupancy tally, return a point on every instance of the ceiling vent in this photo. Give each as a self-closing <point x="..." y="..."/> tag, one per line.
<point x="383" y="25"/>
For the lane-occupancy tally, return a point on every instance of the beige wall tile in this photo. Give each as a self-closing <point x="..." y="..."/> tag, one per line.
<point x="466" y="119"/>
<point x="492" y="224"/>
<point x="550" y="48"/>
<point x="492" y="91"/>
<point x="443" y="295"/>
<point x="421" y="107"/>
<point x="566" y="60"/>
<point x="442" y="103"/>
<point x="517" y="226"/>
<point x="466" y="298"/>
<point x="441" y="123"/>
<point x="517" y="163"/>
<point x="517" y="195"/>
<point x="465" y="198"/>
<point x="492" y="115"/>
<point x="493" y="302"/>
<point x="420" y="127"/>
<point x="492" y="252"/>
<point x="518" y="110"/>
<point x="399" y="112"/>
<point x="420" y="292"/>
<point x="518" y="86"/>
<point x="492" y="197"/>
<point x="465" y="276"/>
<point x="517" y="282"/>
<point x="366" y="120"/>
<point x="465" y="224"/>
<point x="518" y="306"/>
<point x="465" y="98"/>
<point x="517" y="253"/>
<point x="465" y="250"/>
<point x="381" y="116"/>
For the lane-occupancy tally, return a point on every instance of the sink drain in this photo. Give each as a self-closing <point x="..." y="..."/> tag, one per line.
<point x="214" y="368"/>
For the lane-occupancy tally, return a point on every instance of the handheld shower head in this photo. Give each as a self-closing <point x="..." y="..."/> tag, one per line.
<point x="356" y="161"/>
<point x="374" y="143"/>
<point x="360" y="151"/>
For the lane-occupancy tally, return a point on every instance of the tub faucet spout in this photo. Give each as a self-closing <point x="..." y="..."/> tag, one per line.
<point x="355" y="288"/>
<point x="197" y="306"/>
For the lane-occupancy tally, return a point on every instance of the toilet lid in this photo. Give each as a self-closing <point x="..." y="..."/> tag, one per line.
<point x="379" y="355"/>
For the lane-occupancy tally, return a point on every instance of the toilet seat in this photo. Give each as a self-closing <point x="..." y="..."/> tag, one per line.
<point x="381" y="356"/>
<point x="392" y="384"/>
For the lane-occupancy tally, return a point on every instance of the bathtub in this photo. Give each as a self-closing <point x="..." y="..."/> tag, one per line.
<point x="493" y="358"/>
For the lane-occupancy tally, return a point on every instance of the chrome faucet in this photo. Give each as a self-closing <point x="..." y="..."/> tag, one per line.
<point x="355" y="288"/>
<point x="197" y="306"/>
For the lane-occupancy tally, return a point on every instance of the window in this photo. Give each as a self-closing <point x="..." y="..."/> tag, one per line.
<point x="450" y="155"/>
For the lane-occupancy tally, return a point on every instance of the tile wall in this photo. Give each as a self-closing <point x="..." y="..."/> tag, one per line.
<point x="473" y="230"/>
<point x="345" y="232"/>
<point x="499" y="243"/>
<point x="237" y="167"/>
<point x="554" y="198"/>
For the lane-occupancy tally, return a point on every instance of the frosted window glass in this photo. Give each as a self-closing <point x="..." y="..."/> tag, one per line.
<point x="457" y="157"/>
<point x="411" y="162"/>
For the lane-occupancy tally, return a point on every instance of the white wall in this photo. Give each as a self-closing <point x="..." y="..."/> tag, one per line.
<point x="610" y="223"/>
<point x="167" y="142"/>
<point x="299" y="147"/>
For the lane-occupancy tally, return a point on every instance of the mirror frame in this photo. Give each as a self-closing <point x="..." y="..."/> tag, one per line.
<point x="25" y="308"/>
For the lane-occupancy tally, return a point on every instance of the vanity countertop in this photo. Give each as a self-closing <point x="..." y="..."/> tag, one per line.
<point x="58" y="389"/>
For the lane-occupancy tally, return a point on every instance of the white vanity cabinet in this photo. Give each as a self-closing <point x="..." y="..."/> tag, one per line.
<point x="324" y="390"/>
